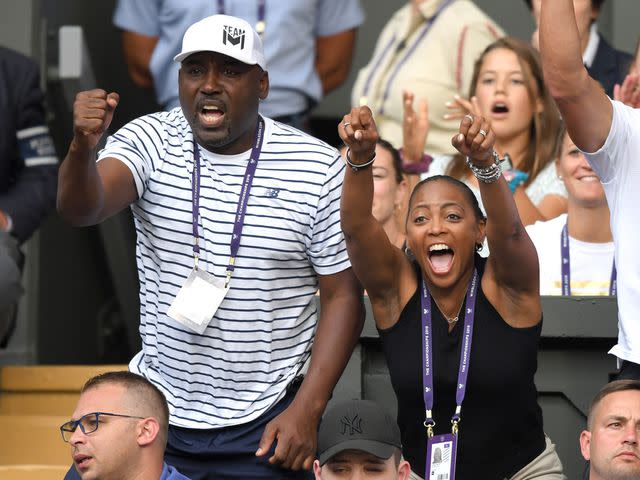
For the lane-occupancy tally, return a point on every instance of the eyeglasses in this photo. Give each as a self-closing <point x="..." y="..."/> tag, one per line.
<point x="88" y="423"/>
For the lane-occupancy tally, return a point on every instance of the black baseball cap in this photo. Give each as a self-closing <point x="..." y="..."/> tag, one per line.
<point x="357" y="425"/>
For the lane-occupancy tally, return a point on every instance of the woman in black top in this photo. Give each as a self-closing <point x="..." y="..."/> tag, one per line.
<point x="500" y="429"/>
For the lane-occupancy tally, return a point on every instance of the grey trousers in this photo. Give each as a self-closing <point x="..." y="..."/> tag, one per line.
<point x="546" y="466"/>
<point x="10" y="281"/>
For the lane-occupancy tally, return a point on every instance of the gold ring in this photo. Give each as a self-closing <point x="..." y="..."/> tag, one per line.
<point x="483" y="133"/>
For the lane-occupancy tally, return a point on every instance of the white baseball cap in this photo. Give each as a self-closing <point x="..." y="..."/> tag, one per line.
<point x="224" y="34"/>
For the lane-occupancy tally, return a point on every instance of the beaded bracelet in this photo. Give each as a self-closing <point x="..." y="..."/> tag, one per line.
<point x="415" y="168"/>
<point x="489" y="174"/>
<point x="355" y="166"/>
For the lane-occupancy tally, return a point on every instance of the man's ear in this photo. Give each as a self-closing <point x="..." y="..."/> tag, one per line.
<point x="264" y="85"/>
<point x="317" y="469"/>
<point x="404" y="470"/>
<point x="585" y="444"/>
<point x="148" y="430"/>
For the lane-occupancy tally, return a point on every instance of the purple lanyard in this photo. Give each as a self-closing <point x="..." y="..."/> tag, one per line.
<point x="260" y="24"/>
<point x="566" y="267"/>
<point x="241" y="209"/>
<point x="399" y="47"/>
<point x="465" y="354"/>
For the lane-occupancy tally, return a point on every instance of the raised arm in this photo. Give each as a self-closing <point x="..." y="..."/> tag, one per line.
<point x="511" y="281"/>
<point x="584" y="106"/>
<point x="374" y="259"/>
<point x="137" y="50"/>
<point x="333" y="58"/>
<point x="90" y="193"/>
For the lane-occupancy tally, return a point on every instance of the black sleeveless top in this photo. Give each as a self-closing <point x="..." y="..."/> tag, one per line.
<point x="501" y="428"/>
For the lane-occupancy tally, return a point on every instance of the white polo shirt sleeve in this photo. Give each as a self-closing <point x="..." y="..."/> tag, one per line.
<point x="139" y="145"/>
<point x="327" y="249"/>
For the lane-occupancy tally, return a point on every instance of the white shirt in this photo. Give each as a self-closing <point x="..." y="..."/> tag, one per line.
<point x="617" y="164"/>
<point x="589" y="54"/>
<point x="591" y="263"/>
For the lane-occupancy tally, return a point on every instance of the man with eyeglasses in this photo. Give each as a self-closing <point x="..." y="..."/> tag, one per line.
<point x="119" y="430"/>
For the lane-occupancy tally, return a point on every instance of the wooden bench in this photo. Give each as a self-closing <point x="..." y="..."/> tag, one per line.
<point x="45" y="390"/>
<point x="33" y="472"/>
<point x="33" y="440"/>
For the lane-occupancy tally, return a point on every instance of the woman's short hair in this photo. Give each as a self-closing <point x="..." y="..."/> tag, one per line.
<point x="463" y="187"/>
<point x="395" y="157"/>
<point x="608" y="389"/>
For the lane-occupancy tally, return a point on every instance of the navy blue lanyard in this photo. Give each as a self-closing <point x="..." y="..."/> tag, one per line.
<point x="260" y="24"/>
<point x="398" y="67"/>
<point x="241" y="209"/>
<point x="465" y="353"/>
<point x="566" y="267"/>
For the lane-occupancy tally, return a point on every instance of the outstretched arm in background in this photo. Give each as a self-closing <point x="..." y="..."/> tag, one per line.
<point x="415" y="129"/>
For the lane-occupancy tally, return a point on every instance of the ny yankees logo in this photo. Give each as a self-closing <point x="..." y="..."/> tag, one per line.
<point x="351" y="425"/>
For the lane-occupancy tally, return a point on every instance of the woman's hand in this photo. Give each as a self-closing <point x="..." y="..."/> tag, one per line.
<point x="358" y="131"/>
<point x="461" y="106"/>
<point x="475" y="140"/>
<point x="415" y="128"/>
<point x="629" y="92"/>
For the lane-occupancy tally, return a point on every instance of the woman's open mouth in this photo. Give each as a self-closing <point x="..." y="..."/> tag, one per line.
<point x="440" y="257"/>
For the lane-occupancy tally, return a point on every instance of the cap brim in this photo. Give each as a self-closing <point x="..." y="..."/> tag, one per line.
<point x="181" y="56"/>
<point x="379" y="449"/>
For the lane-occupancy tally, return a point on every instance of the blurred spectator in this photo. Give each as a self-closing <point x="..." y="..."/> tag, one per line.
<point x="507" y="88"/>
<point x="308" y="46"/>
<point x="358" y="440"/>
<point x="612" y="438"/>
<point x="389" y="192"/>
<point x="604" y="63"/>
<point x="429" y="47"/>
<point x="28" y="169"/>
<point x="575" y="250"/>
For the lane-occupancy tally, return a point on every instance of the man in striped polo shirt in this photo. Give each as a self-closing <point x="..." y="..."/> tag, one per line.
<point x="237" y="220"/>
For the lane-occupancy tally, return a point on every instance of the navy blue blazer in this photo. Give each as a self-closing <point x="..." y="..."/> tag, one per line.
<point x="28" y="162"/>
<point x="610" y="66"/>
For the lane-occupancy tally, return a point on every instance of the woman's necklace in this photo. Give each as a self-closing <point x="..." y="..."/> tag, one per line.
<point x="450" y="320"/>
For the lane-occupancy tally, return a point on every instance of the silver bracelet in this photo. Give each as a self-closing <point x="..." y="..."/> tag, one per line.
<point x="488" y="174"/>
<point x="359" y="166"/>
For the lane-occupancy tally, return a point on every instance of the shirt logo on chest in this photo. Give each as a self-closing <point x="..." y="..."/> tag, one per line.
<point x="273" y="192"/>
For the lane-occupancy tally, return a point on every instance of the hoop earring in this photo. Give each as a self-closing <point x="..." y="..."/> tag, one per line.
<point x="408" y="252"/>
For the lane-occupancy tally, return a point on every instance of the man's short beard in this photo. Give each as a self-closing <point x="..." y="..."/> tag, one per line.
<point x="612" y="473"/>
